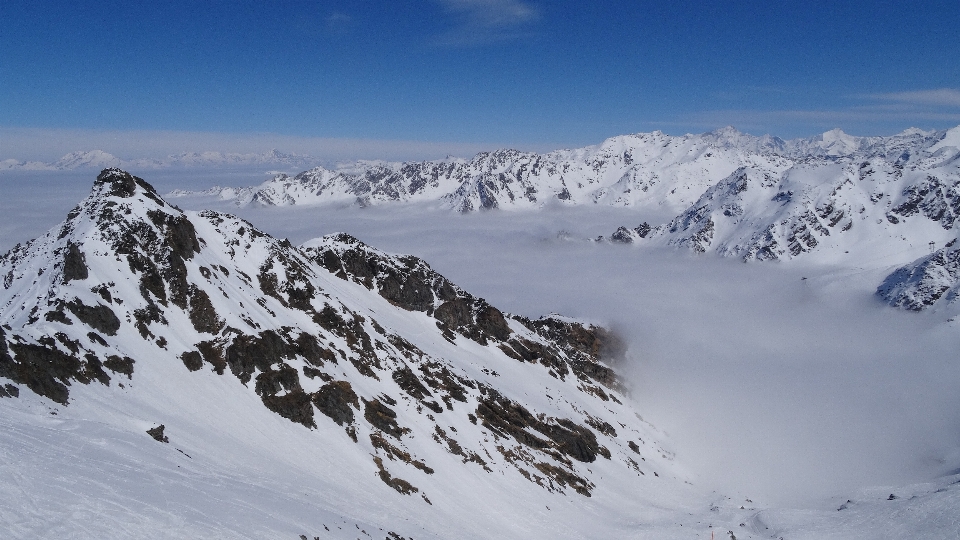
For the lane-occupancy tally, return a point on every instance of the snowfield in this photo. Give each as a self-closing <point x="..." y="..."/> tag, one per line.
<point x="783" y="398"/>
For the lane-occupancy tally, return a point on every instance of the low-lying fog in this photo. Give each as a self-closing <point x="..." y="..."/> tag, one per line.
<point x="784" y="382"/>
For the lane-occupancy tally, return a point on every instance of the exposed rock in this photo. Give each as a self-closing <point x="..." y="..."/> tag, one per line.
<point x="296" y="325"/>
<point x="399" y="484"/>
<point x="99" y="317"/>
<point x="44" y="370"/>
<point x="383" y="418"/>
<point x="157" y="434"/>
<point x="9" y="390"/>
<point x="119" y="364"/>
<point x="509" y="418"/>
<point x="622" y="236"/>
<point x="74" y="263"/>
<point x="294" y="406"/>
<point x="247" y="354"/>
<point x="202" y="313"/>
<point x="334" y="400"/>
<point x="192" y="360"/>
<point x="925" y="282"/>
<point x="410" y="283"/>
<point x="393" y="452"/>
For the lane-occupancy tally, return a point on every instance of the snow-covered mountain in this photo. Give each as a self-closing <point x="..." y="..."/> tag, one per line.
<point x="386" y="382"/>
<point x="632" y="170"/>
<point x="641" y="170"/>
<point x="98" y="159"/>
<point x="184" y="375"/>
<point x="933" y="280"/>
<point x="876" y="201"/>
<point x="856" y="192"/>
<point x="869" y="202"/>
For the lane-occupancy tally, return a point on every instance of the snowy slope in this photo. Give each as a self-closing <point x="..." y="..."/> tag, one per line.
<point x="334" y="391"/>
<point x="298" y="389"/>
<point x="933" y="280"/>
<point x="864" y="202"/>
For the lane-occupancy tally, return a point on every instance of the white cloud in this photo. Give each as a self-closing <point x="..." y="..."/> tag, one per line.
<point x="885" y="119"/>
<point x="338" y="23"/>
<point x="487" y="21"/>
<point x="943" y="97"/>
<point x="860" y="114"/>
<point x="42" y="144"/>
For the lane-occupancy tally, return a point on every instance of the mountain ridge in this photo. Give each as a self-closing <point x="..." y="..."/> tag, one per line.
<point x="425" y="382"/>
<point x="638" y="170"/>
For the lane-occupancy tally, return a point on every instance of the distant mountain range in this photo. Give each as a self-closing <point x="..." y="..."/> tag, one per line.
<point x="641" y="170"/>
<point x="98" y="159"/>
<point x="869" y="201"/>
<point x="872" y="201"/>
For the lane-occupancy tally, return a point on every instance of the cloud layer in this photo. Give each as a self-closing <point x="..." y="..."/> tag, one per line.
<point x="481" y="22"/>
<point x="39" y="144"/>
<point x="940" y="97"/>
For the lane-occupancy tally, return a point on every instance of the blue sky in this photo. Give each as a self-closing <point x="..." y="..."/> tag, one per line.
<point x="534" y="74"/>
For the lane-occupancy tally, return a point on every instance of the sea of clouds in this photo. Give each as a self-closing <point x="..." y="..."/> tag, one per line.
<point x="789" y="383"/>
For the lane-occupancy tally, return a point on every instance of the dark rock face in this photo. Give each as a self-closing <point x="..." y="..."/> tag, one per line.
<point x="405" y="281"/>
<point x="510" y="418"/>
<point x="924" y="282"/>
<point x="99" y="317"/>
<point x="192" y="360"/>
<point x="561" y="439"/>
<point x="247" y="354"/>
<point x="202" y="313"/>
<point x="295" y="406"/>
<point x="119" y="183"/>
<point x="583" y="346"/>
<point x="409" y="383"/>
<point x="410" y="283"/>
<point x="157" y="434"/>
<point x="383" y="418"/>
<point x="936" y="199"/>
<point x="10" y="391"/>
<point x="399" y="484"/>
<point x="334" y="400"/>
<point x="119" y="364"/>
<point x="179" y="234"/>
<point x="622" y="236"/>
<point x="44" y="370"/>
<point x="74" y="263"/>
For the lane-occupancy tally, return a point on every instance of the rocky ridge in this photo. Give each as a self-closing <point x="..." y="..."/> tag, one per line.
<point x="639" y="170"/>
<point x="887" y="200"/>
<point x="630" y="170"/>
<point x="418" y="374"/>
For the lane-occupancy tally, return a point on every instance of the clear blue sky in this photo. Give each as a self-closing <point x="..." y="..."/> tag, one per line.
<point x="543" y="73"/>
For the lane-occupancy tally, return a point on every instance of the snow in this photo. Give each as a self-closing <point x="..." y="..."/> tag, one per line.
<point x="786" y="384"/>
<point x="951" y="139"/>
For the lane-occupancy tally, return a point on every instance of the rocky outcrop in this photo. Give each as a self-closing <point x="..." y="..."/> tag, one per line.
<point x="927" y="282"/>
<point x="128" y="280"/>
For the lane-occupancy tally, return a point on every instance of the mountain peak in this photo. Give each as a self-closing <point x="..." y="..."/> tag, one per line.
<point x="136" y="295"/>
<point x="91" y="158"/>
<point x="120" y="183"/>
